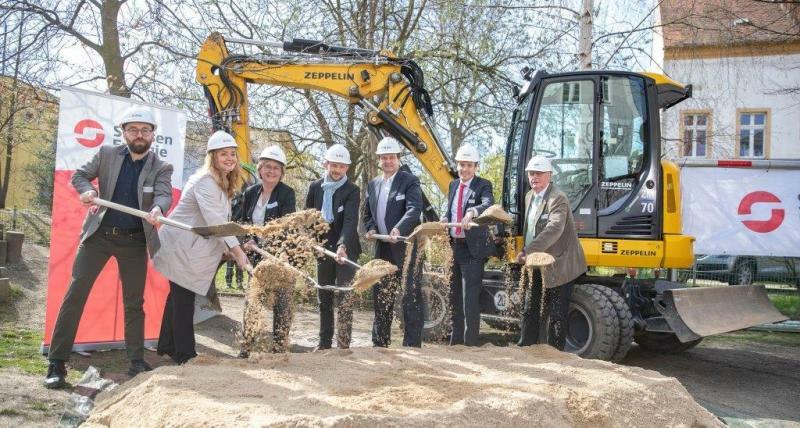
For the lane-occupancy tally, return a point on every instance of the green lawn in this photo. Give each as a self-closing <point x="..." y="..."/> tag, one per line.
<point x="20" y="349"/>
<point x="787" y="304"/>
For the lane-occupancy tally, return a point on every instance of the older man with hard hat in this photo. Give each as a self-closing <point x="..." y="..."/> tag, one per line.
<point x="549" y="228"/>
<point x="262" y="202"/>
<point x="338" y="199"/>
<point x="394" y="205"/>
<point x="130" y="175"/>
<point x="468" y="197"/>
<point x="189" y="261"/>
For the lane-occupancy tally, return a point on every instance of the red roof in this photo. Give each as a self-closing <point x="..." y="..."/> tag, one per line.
<point x="693" y="23"/>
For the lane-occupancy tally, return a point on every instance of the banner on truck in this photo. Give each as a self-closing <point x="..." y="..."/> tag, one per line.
<point x="742" y="211"/>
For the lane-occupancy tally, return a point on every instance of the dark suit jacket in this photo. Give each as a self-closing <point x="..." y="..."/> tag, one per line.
<point x="403" y="209"/>
<point x="479" y="197"/>
<point x="154" y="188"/>
<point x="556" y="235"/>
<point x="281" y="202"/>
<point x="344" y="229"/>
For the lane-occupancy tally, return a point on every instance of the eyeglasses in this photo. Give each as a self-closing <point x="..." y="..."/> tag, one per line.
<point x="135" y="131"/>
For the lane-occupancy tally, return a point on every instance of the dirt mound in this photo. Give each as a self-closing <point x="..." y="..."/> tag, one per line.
<point x="403" y="387"/>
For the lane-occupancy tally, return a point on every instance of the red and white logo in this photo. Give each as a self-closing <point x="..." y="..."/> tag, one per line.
<point x="89" y="133"/>
<point x="760" y="197"/>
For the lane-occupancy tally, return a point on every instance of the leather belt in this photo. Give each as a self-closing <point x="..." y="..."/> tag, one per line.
<point x="459" y="240"/>
<point x="113" y="230"/>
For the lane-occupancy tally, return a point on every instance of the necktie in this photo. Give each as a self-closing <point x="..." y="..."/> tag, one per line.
<point x="530" y="230"/>
<point x="460" y="207"/>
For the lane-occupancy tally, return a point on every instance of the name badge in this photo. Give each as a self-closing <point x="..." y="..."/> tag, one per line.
<point x="341" y="208"/>
<point x="147" y="189"/>
<point x="544" y="216"/>
<point x="471" y="201"/>
<point x="272" y="205"/>
<point x="400" y="197"/>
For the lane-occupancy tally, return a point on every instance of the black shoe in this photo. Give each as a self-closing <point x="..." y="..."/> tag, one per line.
<point x="56" y="375"/>
<point x="243" y="354"/>
<point x="138" y="366"/>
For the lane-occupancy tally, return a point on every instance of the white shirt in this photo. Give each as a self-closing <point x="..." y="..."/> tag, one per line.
<point x="454" y="207"/>
<point x="531" y="232"/>
<point x="260" y="210"/>
<point x="383" y="199"/>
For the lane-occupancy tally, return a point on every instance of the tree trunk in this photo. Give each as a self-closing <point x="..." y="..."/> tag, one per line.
<point x="110" y="50"/>
<point x="12" y="110"/>
<point x="585" y="48"/>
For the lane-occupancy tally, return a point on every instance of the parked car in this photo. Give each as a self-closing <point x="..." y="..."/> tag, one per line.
<point x="745" y="270"/>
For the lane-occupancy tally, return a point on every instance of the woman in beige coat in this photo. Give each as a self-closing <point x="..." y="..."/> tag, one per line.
<point x="189" y="260"/>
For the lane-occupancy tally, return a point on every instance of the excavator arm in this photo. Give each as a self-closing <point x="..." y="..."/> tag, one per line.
<point x="359" y="76"/>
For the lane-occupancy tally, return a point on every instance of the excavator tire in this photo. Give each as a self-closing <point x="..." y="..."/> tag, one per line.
<point x="593" y="327"/>
<point x="625" y="323"/>
<point x="435" y="307"/>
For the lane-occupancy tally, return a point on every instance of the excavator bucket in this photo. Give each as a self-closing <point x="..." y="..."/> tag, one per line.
<point x="693" y="313"/>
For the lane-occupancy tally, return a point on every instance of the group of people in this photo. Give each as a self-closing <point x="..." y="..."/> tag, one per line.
<point x="132" y="175"/>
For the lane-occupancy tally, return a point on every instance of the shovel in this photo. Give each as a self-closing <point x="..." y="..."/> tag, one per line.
<point x="334" y="256"/>
<point x="491" y="215"/>
<point x="224" y="229"/>
<point x="301" y="273"/>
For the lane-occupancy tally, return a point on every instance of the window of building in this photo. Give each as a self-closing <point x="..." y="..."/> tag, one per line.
<point x="752" y="134"/>
<point x="695" y="134"/>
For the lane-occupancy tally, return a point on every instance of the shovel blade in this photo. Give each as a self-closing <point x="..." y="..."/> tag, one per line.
<point x="693" y="313"/>
<point x="224" y="229"/>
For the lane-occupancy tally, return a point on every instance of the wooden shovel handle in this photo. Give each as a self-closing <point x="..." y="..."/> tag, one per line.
<point x="388" y="238"/>
<point x="137" y="213"/>
<point x="334" y="256"/>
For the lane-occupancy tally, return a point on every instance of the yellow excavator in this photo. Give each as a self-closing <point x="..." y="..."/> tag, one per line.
<point x="601" y="130"/>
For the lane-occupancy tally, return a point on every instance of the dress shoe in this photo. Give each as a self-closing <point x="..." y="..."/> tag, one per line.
<point x="56" y="375"/>
<point x="321" y="348"/>
<point x="138" y="366"/>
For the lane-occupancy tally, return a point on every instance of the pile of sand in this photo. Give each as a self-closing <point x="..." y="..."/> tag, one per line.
<point x="405" y="387"/>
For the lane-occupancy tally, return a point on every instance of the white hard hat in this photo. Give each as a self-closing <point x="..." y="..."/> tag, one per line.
<point x="220" y="140"/>
<point x="137" y="114"/>
<point x="275" y="153"/>
<point x="467" y="153"/>
<point x="539" y="163"/>
<point x="338" y="153"/>
<point x="388" y="146"/>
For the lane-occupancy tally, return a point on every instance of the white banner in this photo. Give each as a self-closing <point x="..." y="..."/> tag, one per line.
<point x="88" y="120"/>
<point x="742" y="211"/>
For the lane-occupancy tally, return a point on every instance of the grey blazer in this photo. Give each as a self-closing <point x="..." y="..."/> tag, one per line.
<point x="556" y="235"/>
<point x="155" y="188"/>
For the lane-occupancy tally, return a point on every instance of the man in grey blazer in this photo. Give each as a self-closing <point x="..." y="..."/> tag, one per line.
<point x="549" y="228"/>
<point x="130" y="175"/>
<point x="394" y="205"/>
<point x="468" y="197"/>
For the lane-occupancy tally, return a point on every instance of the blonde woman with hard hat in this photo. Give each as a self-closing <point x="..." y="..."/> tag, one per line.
<point x="468" y="197"/>
<point x="262" y="202"/>
<point x="549" y="228"/>
<point x="394" y="206"/>
<point x="130" y="175"/>
<point x="338" y="199"/>
<point x="188" y="260"/>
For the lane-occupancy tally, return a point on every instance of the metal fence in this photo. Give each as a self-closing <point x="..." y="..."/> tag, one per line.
<point x="775" y="272"/>
<point x="33" y="223"/>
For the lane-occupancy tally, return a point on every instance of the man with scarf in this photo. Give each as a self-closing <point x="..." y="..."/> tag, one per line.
<point x="338" y="199"/>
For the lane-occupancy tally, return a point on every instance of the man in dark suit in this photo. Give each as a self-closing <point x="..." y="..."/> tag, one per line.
<point x="130" y="175"/>
<point x="468" y="197"/>
<point x="549" y="228"/>
<point x="394" y="205"/>
<point x="338" y="199"/>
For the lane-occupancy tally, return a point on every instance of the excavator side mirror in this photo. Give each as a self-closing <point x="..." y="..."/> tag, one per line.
<point x="526" y="73"/>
